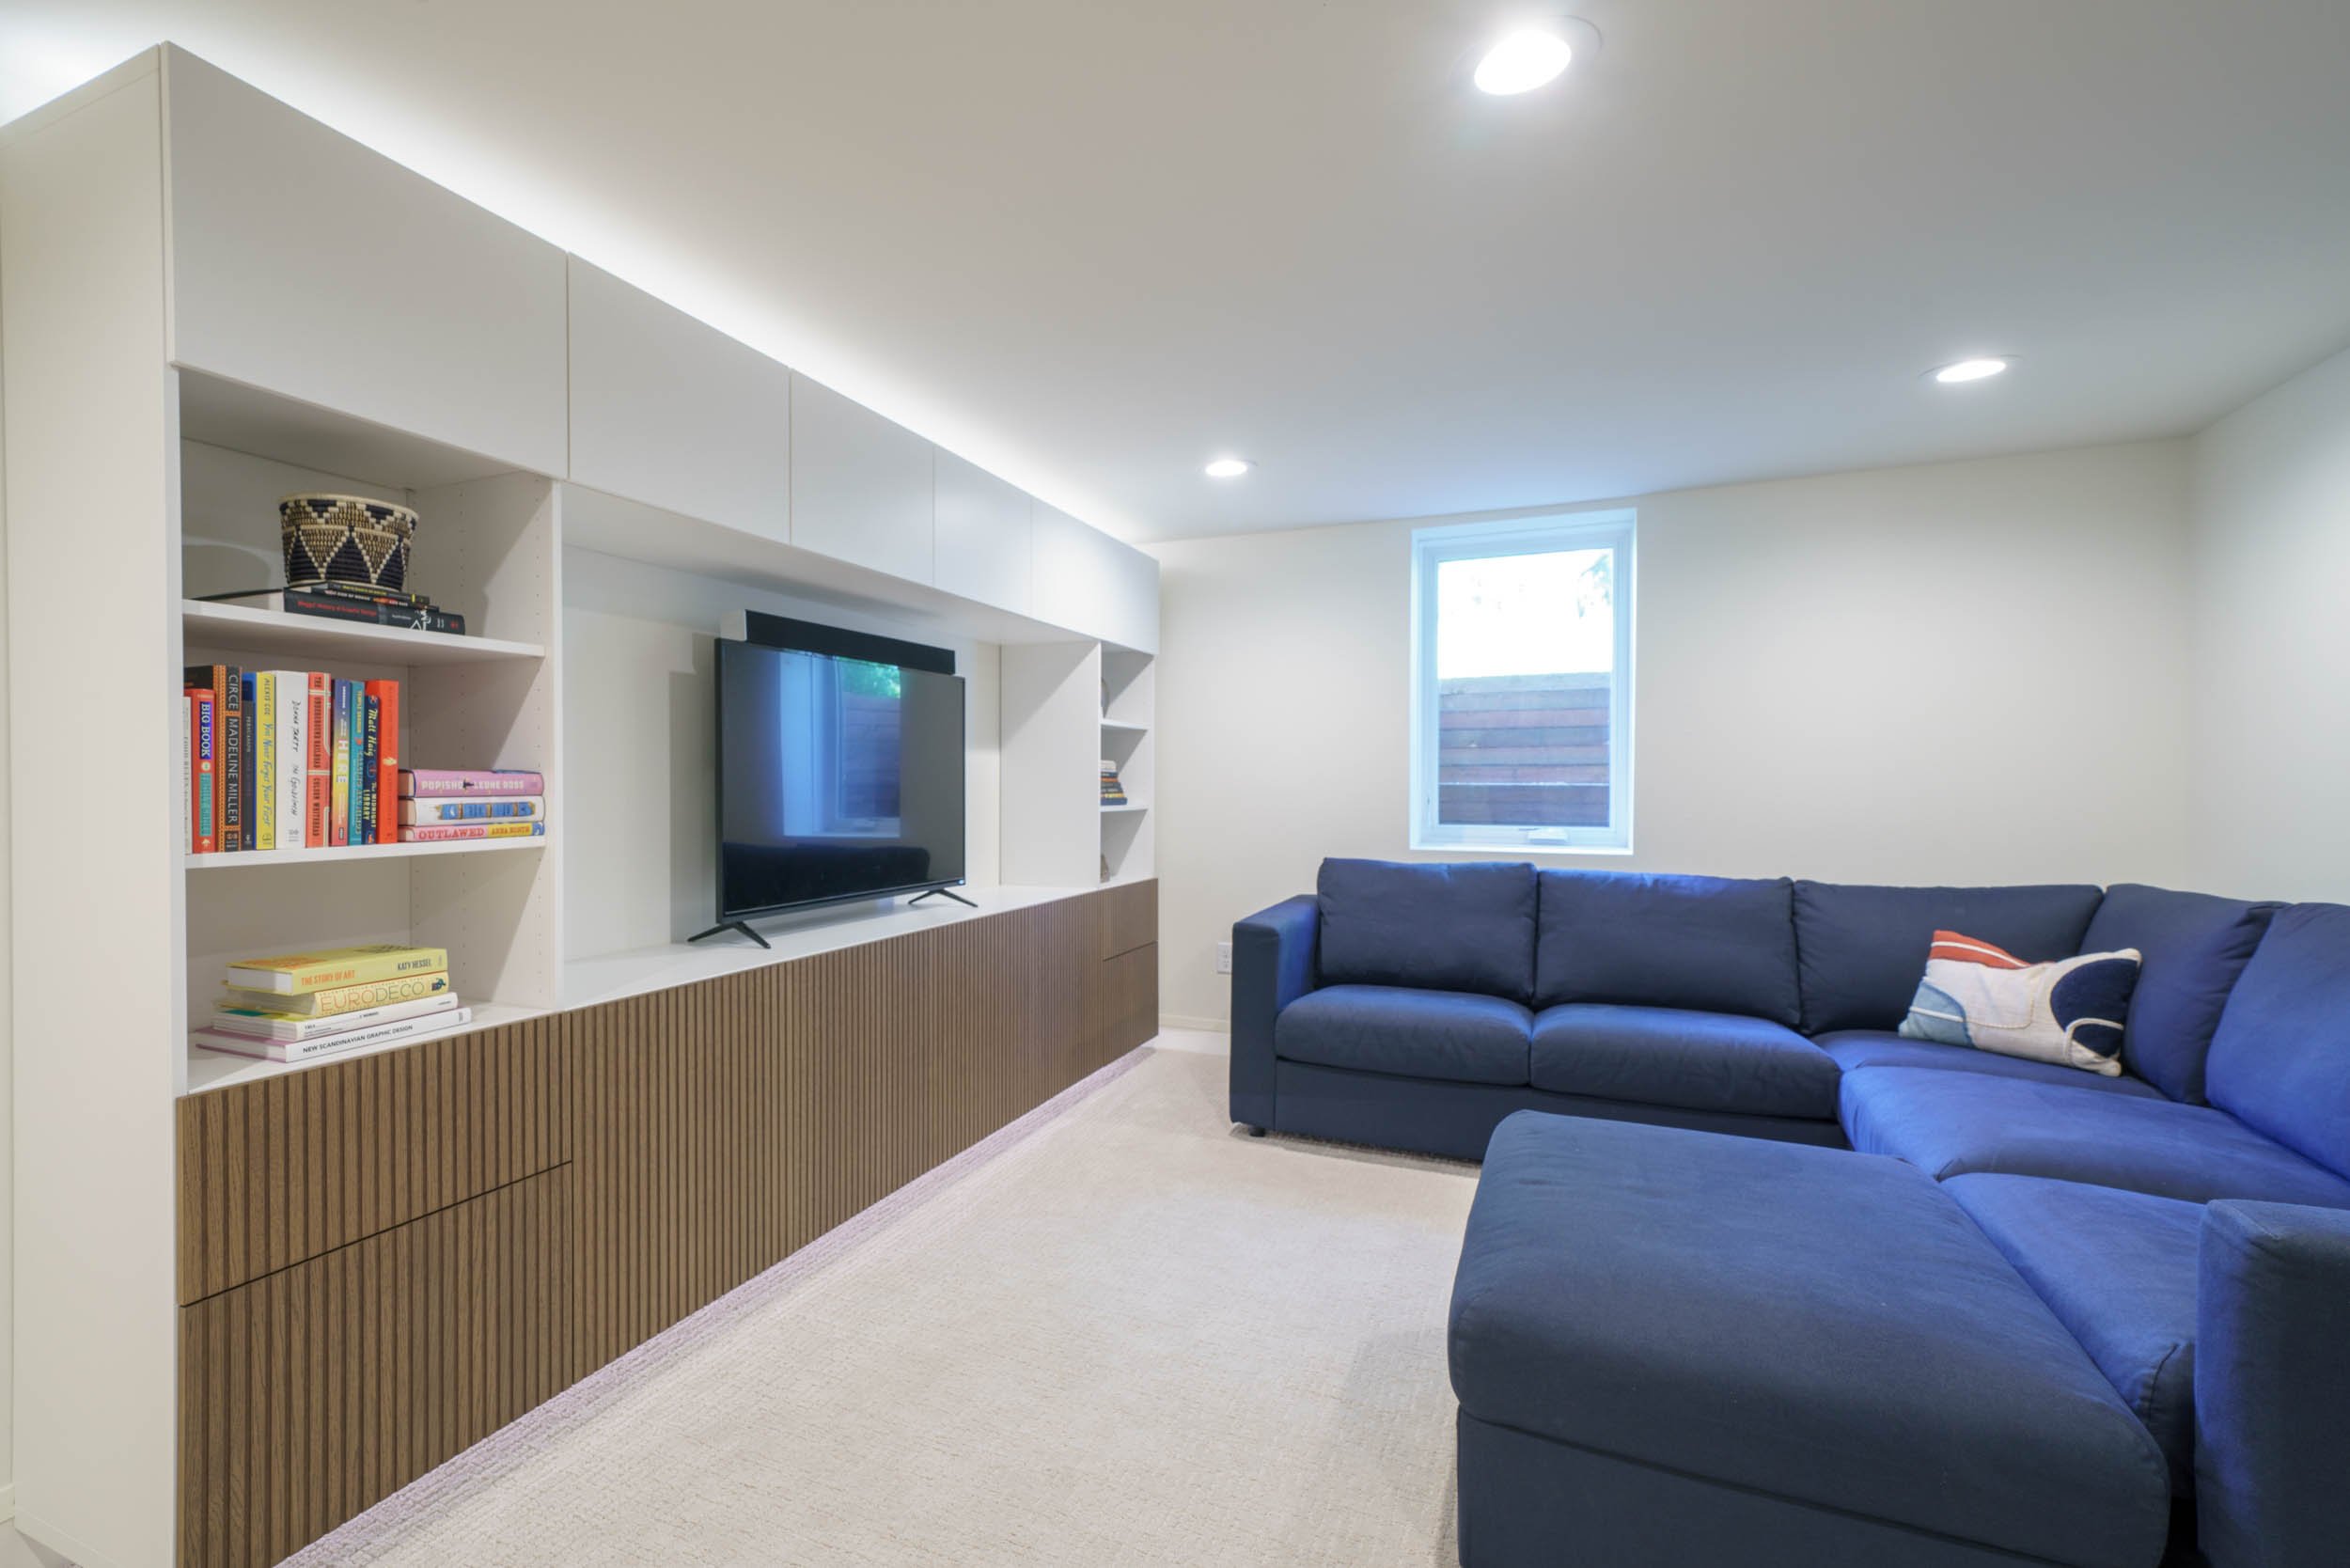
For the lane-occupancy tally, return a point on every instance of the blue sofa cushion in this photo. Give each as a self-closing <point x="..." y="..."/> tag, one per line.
<point x="1659" y="1056"/>
<point x="2118" y="1269"/>
<point x="1951" y="1123"/>
<point x="1465" y="926"/>
<point x="1707" y="943"/>
<point x="2191" y="948"/>
<point x="1857" y="1049"/>
<point x="1860" y="951"/>
<point x="1453" y="1035"/>
<point x="2281" y="1057"/>
<point x="1804" y="1322"/>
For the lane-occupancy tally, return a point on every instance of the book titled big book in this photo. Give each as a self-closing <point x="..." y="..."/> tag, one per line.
<point x="296" y="973"/>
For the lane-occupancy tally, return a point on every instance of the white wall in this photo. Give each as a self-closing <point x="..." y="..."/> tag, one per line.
<point x="2270" y="720"/>
<point x="638" y="745"/>
<point x="1958" y="672"/>
<point x="8" y="1072"/>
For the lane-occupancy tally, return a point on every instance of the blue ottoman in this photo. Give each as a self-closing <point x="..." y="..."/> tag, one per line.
<point x="1673" y="1347"/>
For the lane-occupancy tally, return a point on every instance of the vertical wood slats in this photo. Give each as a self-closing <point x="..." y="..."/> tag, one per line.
<point x="389" y="1257"/>
<point x="291" y="1167"/>
<point x="314" y="1392"/>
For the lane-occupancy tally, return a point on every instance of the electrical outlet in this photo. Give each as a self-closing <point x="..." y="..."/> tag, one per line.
<point x="1223" y="958"/>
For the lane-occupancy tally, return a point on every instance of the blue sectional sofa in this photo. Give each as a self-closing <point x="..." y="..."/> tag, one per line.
<point x="2095" y="1320"/>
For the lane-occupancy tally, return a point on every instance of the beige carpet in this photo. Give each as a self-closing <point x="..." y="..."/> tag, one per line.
<point x="1120" y="1333"/>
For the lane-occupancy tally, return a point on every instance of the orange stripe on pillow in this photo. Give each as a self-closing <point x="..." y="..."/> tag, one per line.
<point x="1959" y="947"/>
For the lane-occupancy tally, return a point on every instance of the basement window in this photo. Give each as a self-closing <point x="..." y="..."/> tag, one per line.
<point x="1522" y="684"/>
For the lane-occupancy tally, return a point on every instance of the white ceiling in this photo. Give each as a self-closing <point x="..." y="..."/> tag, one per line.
<point x="1091" y="243"/>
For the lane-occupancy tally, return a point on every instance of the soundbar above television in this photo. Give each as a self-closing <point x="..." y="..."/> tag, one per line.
<point x="840" y="770"/>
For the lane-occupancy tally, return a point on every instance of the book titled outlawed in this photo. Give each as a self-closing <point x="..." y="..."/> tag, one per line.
<point x="296" y="973"/>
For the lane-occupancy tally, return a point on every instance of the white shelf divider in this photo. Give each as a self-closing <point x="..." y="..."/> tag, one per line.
<point x="1130" y="806"/>
<point x="248" y="859"/>
<point x="204" y="625"/>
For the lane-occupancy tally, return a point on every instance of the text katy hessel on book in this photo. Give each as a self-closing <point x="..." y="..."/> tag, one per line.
<point x="291" y="1006"/>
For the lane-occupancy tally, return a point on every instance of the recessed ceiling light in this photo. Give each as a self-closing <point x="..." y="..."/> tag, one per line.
<point x="1970" y="369"/>
<point x="1523" y="61"/>
<point x="1229" y="468"/>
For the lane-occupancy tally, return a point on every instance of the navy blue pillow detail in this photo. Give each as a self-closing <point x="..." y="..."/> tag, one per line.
<point x="1708" y="944"/>
<point x="2281" y="1060"/>
<point x="1860" y="951"/>
<point x="1459" y="926"/>
<point x="2192" y="946"/>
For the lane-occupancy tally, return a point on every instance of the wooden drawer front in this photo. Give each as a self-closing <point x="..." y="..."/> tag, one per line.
<point x="1130" y="1009"/>
<point x="1130" y="916"/>
<point x="293" y="1166"/>
<point x="310" y="1395"/>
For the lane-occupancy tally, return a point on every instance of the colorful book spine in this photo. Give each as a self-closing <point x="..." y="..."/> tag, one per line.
<point x="386" y="693"/>
<point x="471" y="809"/>
<point x="249" y="764"/>
<point x="264" y="717"/>
<point x="187" y="773"/>
<point x="338" y="765"/>
<point x="348" y="1039"/>
<point x="223" y="682"/>
<point x="294" y="732"/>
<point x="434" y="833"/>
<point x="318" y="787"/>
<point x="204" y="828"/>
<point x="370" y="754"/>
<point x="424" y="783"/>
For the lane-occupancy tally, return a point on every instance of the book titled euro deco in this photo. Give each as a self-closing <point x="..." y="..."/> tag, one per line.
<point x="291" y="1007"/>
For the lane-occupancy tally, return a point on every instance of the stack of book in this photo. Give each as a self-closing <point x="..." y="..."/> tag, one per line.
<point x="471" y="802"/>
<point x="295" y="1006"/>
<point x="367" y="607"/>
<point x="287" y="758"/>
<point x="1113" y="792"/>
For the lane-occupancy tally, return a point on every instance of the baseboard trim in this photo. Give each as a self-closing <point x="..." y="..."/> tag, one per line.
<point x="75" y="1552"/>
<point x="1212" y="1026"/>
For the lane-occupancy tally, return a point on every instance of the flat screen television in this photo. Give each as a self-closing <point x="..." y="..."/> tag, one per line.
<point x="838" y="778"/>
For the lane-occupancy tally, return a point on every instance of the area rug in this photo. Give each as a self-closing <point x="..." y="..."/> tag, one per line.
<point x="1120" y="1332"/>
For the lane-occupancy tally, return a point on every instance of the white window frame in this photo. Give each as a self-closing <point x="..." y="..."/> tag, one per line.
<point x="1431" y="547"/>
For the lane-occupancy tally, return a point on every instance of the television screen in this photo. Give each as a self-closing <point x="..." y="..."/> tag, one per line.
<point x="838" y="778"/>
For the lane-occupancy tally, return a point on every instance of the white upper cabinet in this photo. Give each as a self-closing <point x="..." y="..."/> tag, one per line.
<point x="861" y="489"/>
<point x="1091" y="583"/>
<point x="983" y="528"/>
<point x="675" y="413"/>
<point x="305" y="265"/>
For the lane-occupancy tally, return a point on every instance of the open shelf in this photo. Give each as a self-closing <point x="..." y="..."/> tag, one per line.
<point x="1130" y="806"/>
<point x="238" y="626"/>
<point x="327" y="856"/>
<point x="219" y="1069"/>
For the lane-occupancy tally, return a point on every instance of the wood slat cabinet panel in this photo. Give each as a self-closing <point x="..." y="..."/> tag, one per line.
<point x="390" y="1256"/>
<point x="310" y="1394"/>
<point x="293" y="1166"/>
<point x="1130" y="916"/>
<point x="1131" y="1015"/>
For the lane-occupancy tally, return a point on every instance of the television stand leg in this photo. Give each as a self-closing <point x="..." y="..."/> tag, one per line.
<point x="730" y="925"/>
<point x="941" y="893"/>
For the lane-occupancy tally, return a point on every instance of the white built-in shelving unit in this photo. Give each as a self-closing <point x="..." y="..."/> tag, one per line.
<point x="207" y="302"/>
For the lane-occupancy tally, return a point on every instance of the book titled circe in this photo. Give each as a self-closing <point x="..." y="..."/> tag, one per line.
<point x="295" y="973"/>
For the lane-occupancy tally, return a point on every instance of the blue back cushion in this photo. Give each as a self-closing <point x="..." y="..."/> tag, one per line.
<point x="1441" y="928"/>
<point x="1709" y="943"/>
<point x="2191" y="948"/>
<point x="1861" y="952"/>
<point x="2281" y="1060"/>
